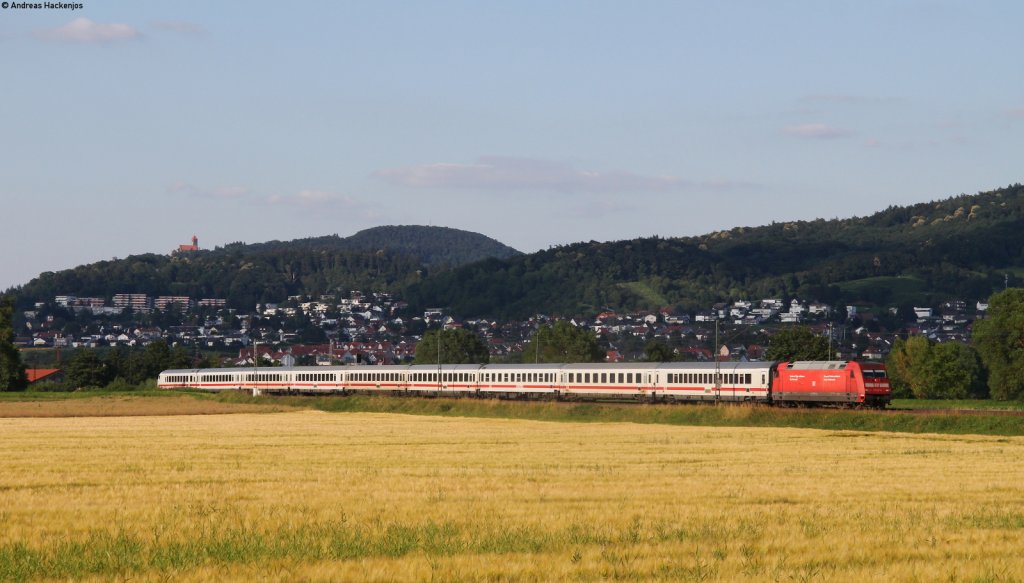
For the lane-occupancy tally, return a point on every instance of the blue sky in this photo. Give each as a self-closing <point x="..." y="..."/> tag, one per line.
<point x="125" y="127"/>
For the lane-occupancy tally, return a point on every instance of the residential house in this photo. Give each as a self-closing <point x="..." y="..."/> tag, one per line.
<point x="41" y="375"/>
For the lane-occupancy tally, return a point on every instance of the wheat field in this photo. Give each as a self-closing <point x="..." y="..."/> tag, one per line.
<point x="310" y="496"/>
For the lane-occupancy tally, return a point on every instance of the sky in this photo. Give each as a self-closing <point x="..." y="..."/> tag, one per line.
<point x="127" y="127"/>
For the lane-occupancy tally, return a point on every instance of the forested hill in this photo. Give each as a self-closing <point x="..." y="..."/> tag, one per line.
<point x="383" y="258"/>
<point x="959" y="247"/>
<point x="432" y="246"/>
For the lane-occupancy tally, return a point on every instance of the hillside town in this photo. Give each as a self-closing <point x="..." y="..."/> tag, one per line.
<point x="377" y="328"/>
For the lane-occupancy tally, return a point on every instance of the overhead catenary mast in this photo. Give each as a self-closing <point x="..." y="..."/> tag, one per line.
<point x="718" y="366"/>
<point x="255" y="368"/>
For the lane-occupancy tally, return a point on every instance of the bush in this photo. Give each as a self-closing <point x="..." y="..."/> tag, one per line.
<point x="50" y="387"/>
<point x="119" y="384"/>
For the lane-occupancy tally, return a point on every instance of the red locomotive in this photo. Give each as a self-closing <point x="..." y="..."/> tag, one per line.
<point x="831" y="382"/>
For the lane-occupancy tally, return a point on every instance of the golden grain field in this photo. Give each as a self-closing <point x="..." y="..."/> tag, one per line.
<point x="371" y="497"/>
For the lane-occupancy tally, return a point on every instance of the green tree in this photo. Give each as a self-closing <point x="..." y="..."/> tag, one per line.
<point x="181" y="357"/>
<point x="86" y="369"/>
<point x="116" y="362"/>
<point x="906" y="363"/>
<point x="970" y="360"/>
<point x="12" y="370"/>
<point x="926" y="370"/>
<point x="656" y="351"/>
<point x="900" y="365"/>
<point x="158" y="357"/>
<point x="797" y="343"/>
<point x="999" y="339"/>
<point x="563" y="342"/>
<point x="457" y="346"/>
<point x="134" y="370"/>
<point x="957" y="371"/>
<point x="312" y="334"/>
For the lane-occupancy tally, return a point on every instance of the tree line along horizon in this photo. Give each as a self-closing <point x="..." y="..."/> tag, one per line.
<point x="991" y="366"/>
<point x="966" y="246"/>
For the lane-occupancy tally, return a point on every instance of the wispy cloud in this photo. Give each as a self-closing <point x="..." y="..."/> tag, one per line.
<point x="320" y="202"/>
<point x="817" y="131"/>
<point x="221" y="192"/>
<point x="1015" y="113"/>
<point x="83" y="30"/>
<point x="179" y="26"/>
<point x="503" y="173"/>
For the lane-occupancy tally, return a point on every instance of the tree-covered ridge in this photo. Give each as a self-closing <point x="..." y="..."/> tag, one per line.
<point x="432" y="246"/>
<point x="957" y="247"/>
<point x="385" y="258"/>
<point x="961" y="247"/>
<point x="435" y="246"/>
<point x="242" y="279"/>
<point x="965" y="228"/>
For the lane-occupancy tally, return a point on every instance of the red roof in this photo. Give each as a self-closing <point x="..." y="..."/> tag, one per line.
<point x="36" y="374"/>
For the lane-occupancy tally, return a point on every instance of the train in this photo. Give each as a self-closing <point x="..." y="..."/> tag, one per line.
<point x="844" y="383"/>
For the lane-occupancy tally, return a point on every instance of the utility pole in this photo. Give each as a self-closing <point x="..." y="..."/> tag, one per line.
<point x="830" y="341"/>
<point x="718" y="366"/>
<point x="255" y="368"/>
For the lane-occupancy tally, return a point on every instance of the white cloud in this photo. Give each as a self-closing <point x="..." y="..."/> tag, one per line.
<point x="320" y="203"/>
<point x="502" y="173"/>
<point x="817" y="131"/>
<point x="83" y="30"/>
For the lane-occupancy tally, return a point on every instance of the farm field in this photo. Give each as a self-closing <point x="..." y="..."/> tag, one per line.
<point x="320" y="496"/>
<point x="86" y="404"/>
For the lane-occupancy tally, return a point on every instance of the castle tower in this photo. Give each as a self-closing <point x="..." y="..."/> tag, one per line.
<point x="187" y="248"/>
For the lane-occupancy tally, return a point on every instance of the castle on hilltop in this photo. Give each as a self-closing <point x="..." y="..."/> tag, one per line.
<point x="193" y="247"/>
